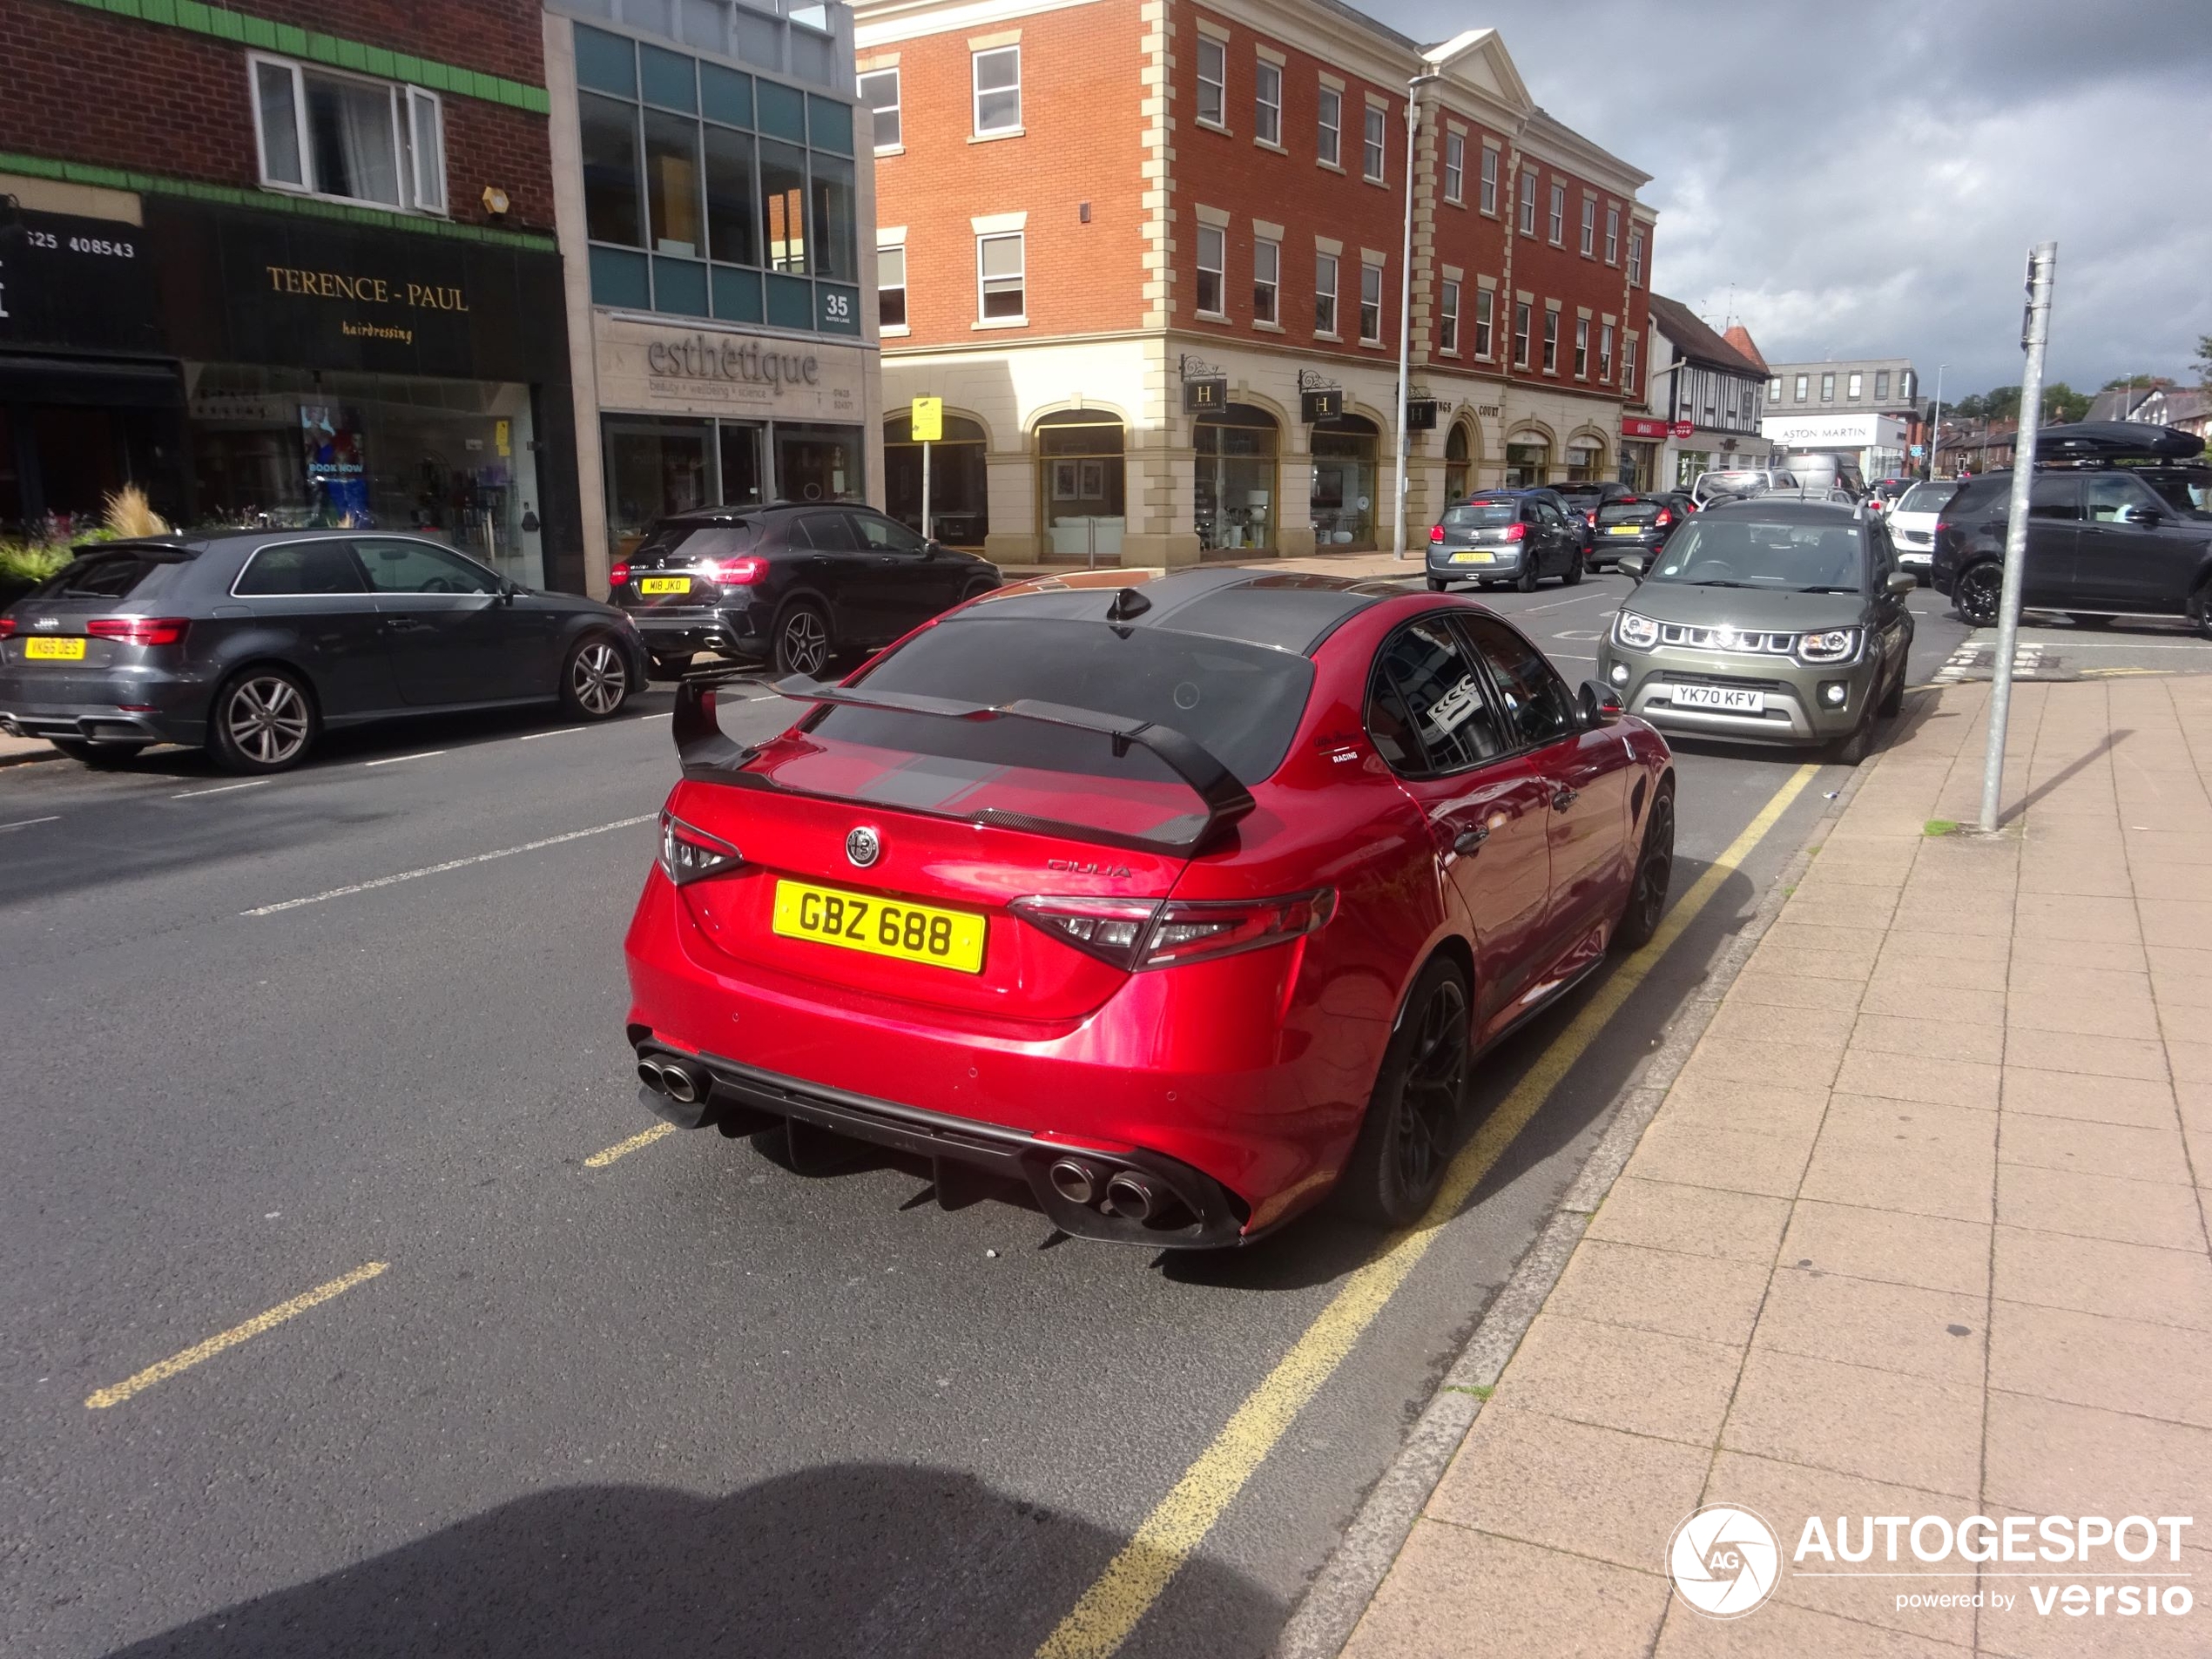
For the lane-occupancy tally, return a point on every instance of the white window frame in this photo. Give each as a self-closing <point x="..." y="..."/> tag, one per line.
<point x="1267" y="111"/>
<point x="1448" y="317"/>
<point x="1485" y="320"/>
<point x="1588" y="249"/>
<point x="1267" y="273"/>
<point x="1526" y="214"/>
<point x="1489" y="181"/>
<point x="1374" y="148"/>
<point x="1804" y="387"/>
<point x="1523" y="320"/>
<point x="406" y="163"/>
<point x="1366" y="270"/>
<point x="1774" y="389"/>
<point x="1581" y="349"/>
<point x="1635" y="258"/>
<point x="1455" y="167"/>
<point x="1218" y="52"/>
<point x="1551" y="340"/>
<point x="883" y="287"/>
<point x="1555" y="222"/>
<point x="975" y="89"/>
<point x="1605" y="351"/>
<point x="1881" y="386"/>
<point x="898" y="117"/>
<point x="1328" y="138"/>
<point x="1020" y="239"/>
<point x="1612" y="234"/>
<point x="1828" y="386"/>
<point x="1219" y="271"/>
<point x="1628" y="364"/>
<point x="1329" y="264"/>
<point x="1855" y="386"/>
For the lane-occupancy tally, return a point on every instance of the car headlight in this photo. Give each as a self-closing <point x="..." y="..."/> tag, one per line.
<point x="1638" y="633"/>
<point x="1835" y="645"/>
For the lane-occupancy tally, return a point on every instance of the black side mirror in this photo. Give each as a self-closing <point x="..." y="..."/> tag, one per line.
<point x="1901" y="583"/>
<point x="1631" y="567"/>
<point x="2143" y="515"/>
<point x="1599" y="703"/>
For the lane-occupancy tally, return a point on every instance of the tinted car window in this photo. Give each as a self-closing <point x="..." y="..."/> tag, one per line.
<point x="1441" y="697"/>
<point x="1928" y="497"/>
<point x="880" y="535"/>
<point x="827" y="531"/>
<point x="2048" y="498"/>
<point x="1241" y="702"/>
<point x="1628" y="512"/>
<point x="688" y="542"/>
<point x="301" y="567"/>
<point x="2109" y="494"/>
<point x="1731" y="549"/>
<point x="1480" y="515"/>
<point x="1537" y="706"/>
<point x="399" y="566"/>
<point x="105" y="575"/>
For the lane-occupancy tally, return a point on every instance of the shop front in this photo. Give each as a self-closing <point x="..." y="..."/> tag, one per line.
<point x="1344" y="449"/>
<point x="1527" y="461"/>
<point x="1641" y="437"/>
<point x="1234" y="466"/>
<point x="699" y="414"/>
<point x="351" y="375"/>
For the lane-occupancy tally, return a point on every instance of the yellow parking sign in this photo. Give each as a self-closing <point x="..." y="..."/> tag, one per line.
<point x="928" y="419"/>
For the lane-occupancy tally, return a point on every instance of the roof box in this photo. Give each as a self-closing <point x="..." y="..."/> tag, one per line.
<point x="2111" y="440"/>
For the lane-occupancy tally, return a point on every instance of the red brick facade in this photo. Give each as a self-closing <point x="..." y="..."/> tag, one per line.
<point x="188" y="111"/>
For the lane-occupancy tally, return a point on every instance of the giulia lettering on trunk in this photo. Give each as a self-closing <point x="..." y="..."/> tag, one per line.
<point x="1074" y="866"/>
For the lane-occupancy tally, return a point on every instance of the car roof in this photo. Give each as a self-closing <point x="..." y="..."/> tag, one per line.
<point x="1286" y="611"/>
<point x="722" y="514"/>
<point x="1770" y="506"/>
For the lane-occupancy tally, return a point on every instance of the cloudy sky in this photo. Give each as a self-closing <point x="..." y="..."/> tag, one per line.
<point x="1870" y="176"/>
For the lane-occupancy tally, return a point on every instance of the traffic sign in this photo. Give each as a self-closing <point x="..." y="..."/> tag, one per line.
<point x="1919" y="450"/>
<point x="928" y="419"/>
<point x="1681" y="429"/>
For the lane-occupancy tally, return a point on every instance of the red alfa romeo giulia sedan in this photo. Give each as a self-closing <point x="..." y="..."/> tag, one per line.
<point x="1183" y="901"/>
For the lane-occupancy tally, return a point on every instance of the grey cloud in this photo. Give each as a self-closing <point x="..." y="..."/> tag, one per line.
<point x="1869" y="177"/>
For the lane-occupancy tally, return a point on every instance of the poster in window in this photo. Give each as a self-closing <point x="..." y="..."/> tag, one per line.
<point x="1094" y="480"/>
<point x="1066" y="480"/>
<point x="337" y="480"/>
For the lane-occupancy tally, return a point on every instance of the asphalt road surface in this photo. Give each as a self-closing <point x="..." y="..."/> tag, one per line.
<point x="356" y="1033"/>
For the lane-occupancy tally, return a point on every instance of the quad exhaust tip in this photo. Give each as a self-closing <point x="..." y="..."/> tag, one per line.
<point x="1132" y="1195"/>
<point x="1074" y="1180"/>
<point x="678" y="1082"/>
<point x="650" y="1073"/>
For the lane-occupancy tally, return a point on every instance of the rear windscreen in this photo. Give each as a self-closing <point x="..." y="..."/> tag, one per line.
<point x="104" y="576"/>
<point x="1482" y="514"/>
<point x="1927" y="498"/>
<point x="1241" y="702"/>
<point x="703" y="541"/>
<point x="1628" y="512"/>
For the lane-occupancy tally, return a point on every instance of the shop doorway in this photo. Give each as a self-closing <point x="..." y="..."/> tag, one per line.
<point x="1236" y="468"/>
<point x="654" y="468"/>
<point x="960" y="507"/>
<point x="739" y="444"/>
<point x="1458" y="469"/>
<point x="818" y="462"/>
<point x="1528" y="464"/>
<point x="1081" y="507"/>
<point x="1343" y="498"/>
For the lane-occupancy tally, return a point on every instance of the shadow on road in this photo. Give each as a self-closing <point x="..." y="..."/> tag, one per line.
<point x="860" y="1559"/>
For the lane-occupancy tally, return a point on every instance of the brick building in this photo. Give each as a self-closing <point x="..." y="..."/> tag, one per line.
<point x="278" y="274"/>
<point x="1150" y="252"/>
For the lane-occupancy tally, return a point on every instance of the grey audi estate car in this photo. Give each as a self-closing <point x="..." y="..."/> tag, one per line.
<point x="1772" y="620"/>
<point x="253" y="642"/>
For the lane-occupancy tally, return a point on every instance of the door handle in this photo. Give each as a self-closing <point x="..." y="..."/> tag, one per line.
<point x="406" y="625"/>
<point x="1564" y="798"/>
<point x="1470" y="842"/>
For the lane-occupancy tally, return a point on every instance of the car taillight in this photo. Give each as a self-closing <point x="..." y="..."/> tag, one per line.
<point x="735" y="573"/>
<point x="1664" y="519"/>
<point x="1515" y="532"/>
<point x="139" y="630"/>
<point x="1589" y="518"/>
<point x="1136" y="933"/>
<point x="1436" y="532"/>
<point x="619" y="575"/>
<point x="7" y="627"/>
<point x="690" y="854"/>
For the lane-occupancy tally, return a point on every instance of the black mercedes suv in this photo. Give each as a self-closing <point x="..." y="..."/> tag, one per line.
<point x="791" y="583"/>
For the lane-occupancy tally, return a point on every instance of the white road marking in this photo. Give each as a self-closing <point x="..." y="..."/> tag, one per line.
<point x="532" y="737"/>
<point x="394" y="760"/>
<point x="1580" y="599"/>
<point x="25" y="823"/>
<point x="222" y="789"/>
<point x="450" y="864"/>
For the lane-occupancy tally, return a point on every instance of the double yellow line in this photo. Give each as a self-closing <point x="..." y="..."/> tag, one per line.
<point x="1109" y="1609"/>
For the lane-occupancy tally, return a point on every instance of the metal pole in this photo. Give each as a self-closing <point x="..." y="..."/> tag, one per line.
<point x="2042" y="268"/>
<point x="925" y="492"/>
<point x="1935" y="426"/>
<point x="1405" y="325"/>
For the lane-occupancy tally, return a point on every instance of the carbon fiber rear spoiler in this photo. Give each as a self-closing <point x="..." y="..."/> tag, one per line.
<point x="709" y="755"/>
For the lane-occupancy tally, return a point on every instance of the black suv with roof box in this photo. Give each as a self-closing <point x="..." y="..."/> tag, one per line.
<point x="2113" y="530"/>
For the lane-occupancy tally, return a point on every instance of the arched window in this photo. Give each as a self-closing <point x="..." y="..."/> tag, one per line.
<point x="1457" y="467"/>
<point x="1529" y="456"/>
<point x="960" y="505"/>
<point x="1234" y="471"/>
<point x="1344" y="481"/>
<point x="1080" y="484"/>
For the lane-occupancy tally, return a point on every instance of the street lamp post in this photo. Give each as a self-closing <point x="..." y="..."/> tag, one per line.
<point x="1935" y="425"/>
<point x="1405" y="316"/>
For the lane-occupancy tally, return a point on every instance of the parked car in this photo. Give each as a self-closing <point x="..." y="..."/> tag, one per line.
<point x="254" y="642"/>
<point x="792" y="583"/>
<point x="2101" y="543"/>
<point x="1912" y="522"/>
<point x="1180" y="900"/>
<point x="1586" y="499"/>
<point x="1818" y="469"/>
<point x="1769" y="621"/>
<point x="1884" y="493"/>
<point x="1517" y="535"/>
<point x="1634" y="524"/>
<point x="1739" y="483"/>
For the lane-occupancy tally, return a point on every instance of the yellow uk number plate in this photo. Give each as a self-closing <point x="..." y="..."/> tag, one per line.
<point x="53" y="650"/>
<point x="1624" y="529"/>
<point x="1475" y="558"/>
<point x="664" y="584"/>
<point x="912" y="933"/>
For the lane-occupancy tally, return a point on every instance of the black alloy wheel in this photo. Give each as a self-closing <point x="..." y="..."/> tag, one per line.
<point x="1655" y="869"/>
<point x="263" y="720"/>
<point x="1404" y="1141"/>
<point x="1530" y="575"/>
<point x="1436" y="584"/>
<point x="1979" y="593"/>
<point x="802" y="640"/>
<point x="595" y="681"/>
<point x="1574" y="566"/>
